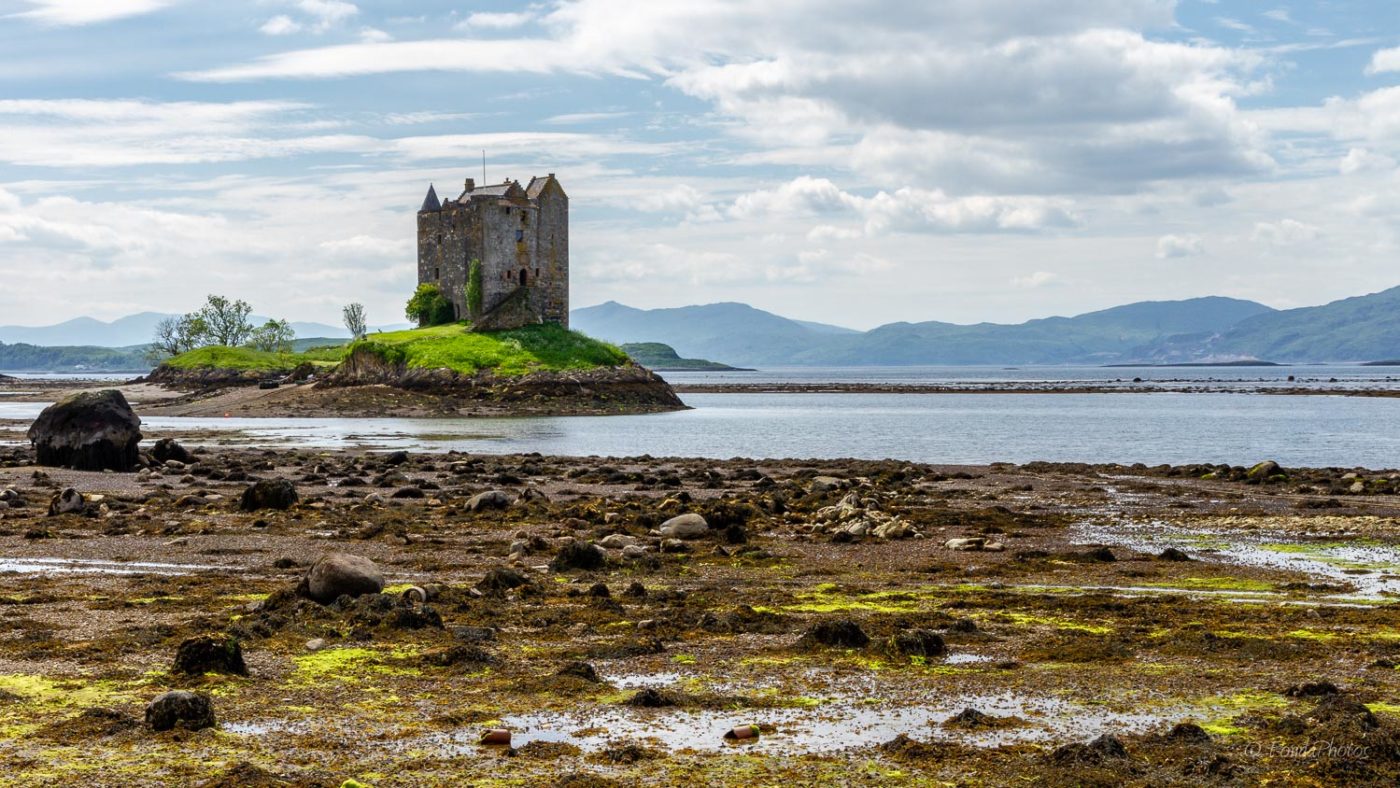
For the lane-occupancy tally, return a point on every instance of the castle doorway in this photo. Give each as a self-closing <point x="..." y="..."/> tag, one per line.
<point x="524" y="277"/>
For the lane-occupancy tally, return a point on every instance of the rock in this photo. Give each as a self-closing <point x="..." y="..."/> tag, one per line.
<point x="336" y="574"/>
<point x="1357" y="488"/>
<point x="1104" y="748"/>
<point x="491" y="499"/>
<point x="618" y="541"/>
<point x="919" y="643"/>
<point x="581" y="670"/>
<point x="685" y="526"/>
<point x="396" y="458"/>
<point x="315" y="644"/>
<point x="186" y="709"/>
<point x="89" y="431"/>
<point x="409" y="492"/>
<point x="1344" y="709"/>
<point x="970" y="544"/>
<point x="650" y="698"/>
<point x="269" y="494"/>
<point x="209" y="654"/>
<point x="502" y="579"/>
<point x="1312" y="689"/>
<point x="70" y="501"/>
<point x="1188" y="732"/>
<point x="633" y="551"/>
<point x="841" y="633"/>
<point x="1173" y="554"/>
<point x="577" y="554"/>
<point x="167" y="450"/>
<point x="828" y="483"/>
<point x="1264" y="470"/>
<point x="971" y="718"/>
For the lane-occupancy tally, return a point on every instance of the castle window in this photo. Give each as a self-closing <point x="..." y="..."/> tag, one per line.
<point x="510" y="275"/>
<point x="519" y="235"/>
<point x="506" y="210"/>
<point x="437" y="273"/>
<point x="439" y="239"/>
<point x="524" y="277"/>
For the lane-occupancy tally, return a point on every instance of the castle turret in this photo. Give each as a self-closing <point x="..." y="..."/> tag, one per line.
<point x="431" y="202"/>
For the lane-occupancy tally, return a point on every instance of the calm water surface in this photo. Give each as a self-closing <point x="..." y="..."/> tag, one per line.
<point x="939" y="428"/>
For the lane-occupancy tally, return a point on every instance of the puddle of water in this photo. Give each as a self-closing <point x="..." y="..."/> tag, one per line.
<point x="1327" y="561"/>
<point x="642" y="680"/>
<point x="91" y="566"/>
<point x="966" y="658"/>
<point x="260" y="727"/>
<point x="828" y="728"/>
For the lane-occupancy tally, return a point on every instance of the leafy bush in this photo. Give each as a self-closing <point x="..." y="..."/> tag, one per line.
<point x="429" y="307"/>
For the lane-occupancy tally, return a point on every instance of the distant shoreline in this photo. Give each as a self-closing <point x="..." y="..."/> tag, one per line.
<point x="1018" y="388"/>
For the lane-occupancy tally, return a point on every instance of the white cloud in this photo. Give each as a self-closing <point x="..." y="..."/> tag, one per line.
<point x="1034" y="280"/>
<point x="1070" y="95"/>
<point x="1288" y="232"/>
<point x="327" y="13"/>
<point x="1170" y="246"/>
<point x="280" y="25"/>
<point x="486" y="20"/>
<point x="1384" y="61"/>
<point x="86" y="12"/>
<point x="1363" y="160"/>
<point x="903" y="210"/>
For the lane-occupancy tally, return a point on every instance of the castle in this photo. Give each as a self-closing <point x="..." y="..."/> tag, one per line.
<point x="518" y="236"/>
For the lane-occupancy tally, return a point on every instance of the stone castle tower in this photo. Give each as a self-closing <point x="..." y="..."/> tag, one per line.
<point x="520" y="237"/>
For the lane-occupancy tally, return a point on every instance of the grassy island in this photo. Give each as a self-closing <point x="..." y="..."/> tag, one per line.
<point x="540" y="348"/>
<point x="520" y="351"/>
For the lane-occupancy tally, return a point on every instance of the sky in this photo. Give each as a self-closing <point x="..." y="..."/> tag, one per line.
<point x="856" y="163"/>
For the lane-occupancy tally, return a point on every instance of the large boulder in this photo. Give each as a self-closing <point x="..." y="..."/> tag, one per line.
<point x="336" y="574"/>
<point x="167" y="449"/>
<point x="89" y="431"/>
<point x="686" y="526"/>
<point x="178" y="707"/>
<point x="210" y="654"/>
<point x="269" y="494"/>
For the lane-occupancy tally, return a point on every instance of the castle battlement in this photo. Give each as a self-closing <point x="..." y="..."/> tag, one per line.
<point x="520" y="237"/>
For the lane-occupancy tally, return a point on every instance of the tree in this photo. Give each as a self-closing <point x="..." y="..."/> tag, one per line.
<point x="429" y="307"/>
<point x="474" y="289"/>
<point x="354" y="315"/>
<point x="176" y="335"/>
<point x="227" y="321"/>
<point x="274" y="336"/>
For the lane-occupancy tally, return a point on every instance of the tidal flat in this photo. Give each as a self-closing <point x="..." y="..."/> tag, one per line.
<point x="880" y="623"/>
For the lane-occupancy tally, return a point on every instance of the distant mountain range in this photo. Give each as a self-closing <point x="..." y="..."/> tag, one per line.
<point x="1213" y="329"/>
<point x="138" y="329"/>
<point x="1365" y="328"/>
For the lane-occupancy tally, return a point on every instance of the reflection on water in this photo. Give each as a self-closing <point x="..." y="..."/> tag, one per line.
<point x="937" y="428"/>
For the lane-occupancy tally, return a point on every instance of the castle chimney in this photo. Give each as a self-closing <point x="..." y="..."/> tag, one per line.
<point x="471" y="184"/>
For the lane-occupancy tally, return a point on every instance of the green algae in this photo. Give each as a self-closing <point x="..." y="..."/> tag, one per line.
<point x="348" y="665"/>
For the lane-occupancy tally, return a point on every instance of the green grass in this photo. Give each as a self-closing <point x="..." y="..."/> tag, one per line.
<point x="543" y="348"/>
<point x="509" y="353"/>
<point x="238" y="358"/>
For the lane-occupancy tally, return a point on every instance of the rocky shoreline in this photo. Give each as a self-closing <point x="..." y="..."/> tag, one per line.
<point x="623" y="621"/>
<point x="360" y="390"/>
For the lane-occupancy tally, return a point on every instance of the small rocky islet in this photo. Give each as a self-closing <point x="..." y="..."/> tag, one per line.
<point x="232" y="616"/>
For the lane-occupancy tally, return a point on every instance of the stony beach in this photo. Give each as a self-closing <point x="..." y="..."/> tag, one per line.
<point x="880" y="623"/>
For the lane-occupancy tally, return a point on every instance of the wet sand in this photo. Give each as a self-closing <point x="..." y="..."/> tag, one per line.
<point x="788" y="614"/>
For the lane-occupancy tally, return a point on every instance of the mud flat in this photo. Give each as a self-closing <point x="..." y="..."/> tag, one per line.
<point x="881" y="623"/>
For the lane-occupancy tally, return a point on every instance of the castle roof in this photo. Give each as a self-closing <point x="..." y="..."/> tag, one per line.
<point x="430" y="203"/>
